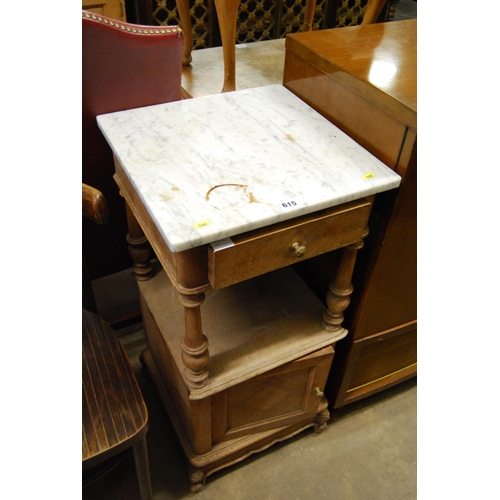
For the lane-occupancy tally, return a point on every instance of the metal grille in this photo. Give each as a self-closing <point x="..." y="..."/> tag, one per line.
<point x="165" y="12"/>
<point x="260" y="19"/>
<point x="268" y="20"/>
<point x="350" y="12"/>
<point x="257" y="19"/>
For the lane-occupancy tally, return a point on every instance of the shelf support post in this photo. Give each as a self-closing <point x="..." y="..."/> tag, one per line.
<point x="340" y="290"/>
<point x="195" y="345"/>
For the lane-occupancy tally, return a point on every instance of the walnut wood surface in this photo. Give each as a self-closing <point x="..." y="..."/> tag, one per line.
<point x="332" y="50"/>
<point x="114" y="413"/>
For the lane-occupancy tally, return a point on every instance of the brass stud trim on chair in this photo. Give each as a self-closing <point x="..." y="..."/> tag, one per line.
<point x="124" y="27"/>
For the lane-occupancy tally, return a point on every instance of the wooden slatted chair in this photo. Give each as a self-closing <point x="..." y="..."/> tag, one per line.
<point x="114" y="414"/>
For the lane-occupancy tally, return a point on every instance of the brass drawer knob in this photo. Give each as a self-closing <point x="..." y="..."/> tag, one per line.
<point x="298" y="250"/>
<point x="319" y="393"/>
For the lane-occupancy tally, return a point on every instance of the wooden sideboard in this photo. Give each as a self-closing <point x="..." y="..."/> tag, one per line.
<point x="363" y="79"/>
<point x="109" y="8"/>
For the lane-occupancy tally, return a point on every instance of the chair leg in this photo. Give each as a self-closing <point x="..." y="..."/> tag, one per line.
<point x="142" y="469"/>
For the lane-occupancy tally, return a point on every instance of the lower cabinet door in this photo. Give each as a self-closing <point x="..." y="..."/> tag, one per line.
<point x="286" y="395"/>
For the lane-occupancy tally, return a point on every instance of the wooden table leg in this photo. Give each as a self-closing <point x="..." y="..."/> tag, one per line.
<point x="195" y="345"/>
<point x="339" y="295"/>
<point x="227" y="13"/>
<point x="185" y="21"/>
<point x="309" y="15"/>
<point x="372" y="11"/>
<point x="138" y="248"/>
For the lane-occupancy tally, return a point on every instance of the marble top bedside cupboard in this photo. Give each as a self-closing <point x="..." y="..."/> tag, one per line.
<point x="230" y="191"/>
<point x="364" y="80"/>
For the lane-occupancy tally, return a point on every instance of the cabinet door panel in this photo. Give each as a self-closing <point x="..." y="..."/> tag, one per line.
<point x="280" y="397"/>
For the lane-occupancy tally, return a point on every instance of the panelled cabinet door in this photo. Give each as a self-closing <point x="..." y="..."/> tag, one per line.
<point x="283" y="396"/>
<point x="115" y="9"/>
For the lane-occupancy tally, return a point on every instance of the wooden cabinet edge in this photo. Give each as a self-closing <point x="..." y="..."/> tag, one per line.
<point x="380" y="384"/>
<point x="338" y="386"/>
<point x="114" y="9"/>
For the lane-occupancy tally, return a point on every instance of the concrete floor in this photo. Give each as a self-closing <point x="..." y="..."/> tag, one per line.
<point x="368" y="451"/>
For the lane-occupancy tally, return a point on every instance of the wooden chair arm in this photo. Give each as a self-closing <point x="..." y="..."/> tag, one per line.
<point x="94" y="205"/>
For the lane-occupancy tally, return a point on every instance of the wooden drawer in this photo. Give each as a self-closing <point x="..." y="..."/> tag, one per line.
<point x="263" y="250"/>
<point x="375" y="363"/>
<point x="283" y="396"/>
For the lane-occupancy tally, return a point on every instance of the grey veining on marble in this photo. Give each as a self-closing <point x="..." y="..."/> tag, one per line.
<point x="212" y="167"/>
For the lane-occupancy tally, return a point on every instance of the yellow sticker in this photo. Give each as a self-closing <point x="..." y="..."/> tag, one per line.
<point x="203" y="223"/>
<point x="370" y="175"/>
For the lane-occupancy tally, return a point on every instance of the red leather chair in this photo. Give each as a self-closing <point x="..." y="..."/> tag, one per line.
<point x="124" y="66"/>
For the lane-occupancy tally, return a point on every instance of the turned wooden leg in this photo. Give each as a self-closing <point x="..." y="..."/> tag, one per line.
<point x="227" y="12"/>
<point x="197" y="479"/>
<point x="372" y="11"/>
<point x="309" y="15"/>
<point x="185" y="22"/>
<point x="339" y="295"/>
<point x="138" y="248"/>
<point x="142" y="469"/>
<point x="321" y="421"/>
<point x="195" y="344"/>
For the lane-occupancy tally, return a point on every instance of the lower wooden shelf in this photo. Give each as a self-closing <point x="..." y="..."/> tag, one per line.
<point x="269" y="362"/>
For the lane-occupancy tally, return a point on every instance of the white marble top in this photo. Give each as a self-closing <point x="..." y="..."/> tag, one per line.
<point x="212" y="167"/>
